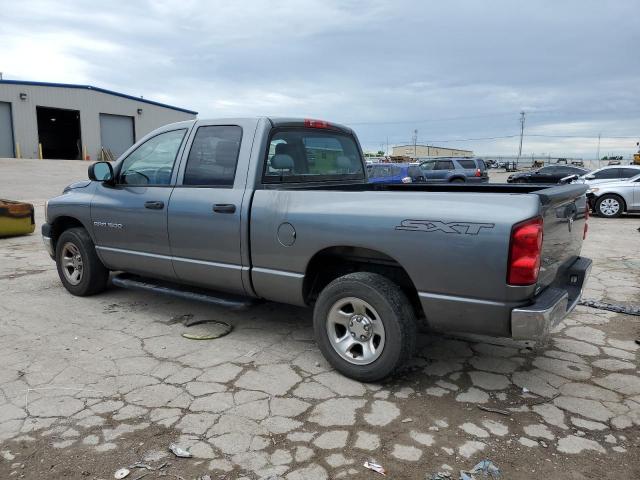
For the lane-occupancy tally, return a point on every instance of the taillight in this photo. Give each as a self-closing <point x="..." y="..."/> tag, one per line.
<point x="525" y="252"/>
<point x="316" y="123"/>
<point x="586" y="219"/>
<point x="406" y="180"/>
<point x="478" y="172"/>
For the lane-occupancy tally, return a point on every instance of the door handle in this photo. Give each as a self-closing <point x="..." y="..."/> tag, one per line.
<point x="224" y="208"/>
<point x="154" y="205"/>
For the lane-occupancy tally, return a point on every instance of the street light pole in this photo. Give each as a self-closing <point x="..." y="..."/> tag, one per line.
<point x="521" y="135"/>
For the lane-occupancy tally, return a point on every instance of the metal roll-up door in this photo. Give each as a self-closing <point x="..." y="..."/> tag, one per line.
<point x="116" y="133"/>
<point x="6" y="131"/>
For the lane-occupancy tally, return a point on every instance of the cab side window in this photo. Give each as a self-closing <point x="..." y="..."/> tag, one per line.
<point x="629" y="172"/>
<point x="608" y="173"/>
<point x="428" y="165"/>
<point x="151" y="164"/>
<point x="444" y="165"/>
<point x="213" y="157"/>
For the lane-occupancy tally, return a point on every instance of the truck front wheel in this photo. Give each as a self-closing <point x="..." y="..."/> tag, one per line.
<point x="365" y="326"/>
<point x="79" y="268"/>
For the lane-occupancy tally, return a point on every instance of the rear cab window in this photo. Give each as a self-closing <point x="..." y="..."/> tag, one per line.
<point x="312" y="155"/>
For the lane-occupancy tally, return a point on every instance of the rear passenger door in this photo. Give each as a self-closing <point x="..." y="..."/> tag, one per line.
<point x="205" y="210"/>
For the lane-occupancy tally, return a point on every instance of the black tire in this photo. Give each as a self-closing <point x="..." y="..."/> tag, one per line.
<point x="605" y="206"/>
<point x="94" y="276"/>
<point x="456" y="180"/>
<point x="394" y="310"/>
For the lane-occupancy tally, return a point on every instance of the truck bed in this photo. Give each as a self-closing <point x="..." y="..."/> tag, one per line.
<point x="547" y="193"/>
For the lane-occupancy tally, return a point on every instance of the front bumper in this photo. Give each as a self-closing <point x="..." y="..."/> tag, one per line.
<point x="552" y="305"/>
<point x="46" y="239"/>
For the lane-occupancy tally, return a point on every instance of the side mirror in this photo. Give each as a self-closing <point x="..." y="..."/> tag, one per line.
<point x="590" y="177"/>
<point x="101" y="172"/>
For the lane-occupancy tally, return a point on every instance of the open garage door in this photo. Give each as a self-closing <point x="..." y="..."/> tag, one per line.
<point x="59" y="133"/>
<point x="116" y="133"/>
<point x="6" y="131"/>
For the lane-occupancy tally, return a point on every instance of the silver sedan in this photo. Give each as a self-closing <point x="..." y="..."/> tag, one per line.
<point x="611" y="199"/>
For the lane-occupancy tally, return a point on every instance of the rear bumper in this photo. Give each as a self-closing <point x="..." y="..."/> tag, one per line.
<point x="471" y="179"/>
<point x="552" y="305"/>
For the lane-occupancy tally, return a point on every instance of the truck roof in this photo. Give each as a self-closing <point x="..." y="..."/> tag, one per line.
<point x="280" y="122"/>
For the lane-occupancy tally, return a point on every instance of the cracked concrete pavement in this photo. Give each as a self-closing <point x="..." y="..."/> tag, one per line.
<point x="89" y="385"/>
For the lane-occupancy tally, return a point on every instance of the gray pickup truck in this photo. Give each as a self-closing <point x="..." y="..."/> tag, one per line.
<point x="237" y="210"/>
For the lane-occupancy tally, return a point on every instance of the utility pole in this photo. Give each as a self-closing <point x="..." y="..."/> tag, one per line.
<point x="415" y="143"/>
<point x="598" y="154"/>
<point x="386" y="152"/>
<point x="521" y="135"/>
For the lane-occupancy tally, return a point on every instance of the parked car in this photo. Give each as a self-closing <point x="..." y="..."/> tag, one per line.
<point x="394" y="173"/>
<point x="609" y="174"/>
<point x="611" y="199"/>
<point x="549" y="174"/>
<point x="454" y="170"/>
<point x="491" y="163"/>
<point x="236" y="210"/>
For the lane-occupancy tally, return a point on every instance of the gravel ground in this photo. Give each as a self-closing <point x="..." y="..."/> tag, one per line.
<point x="90" y="385"/>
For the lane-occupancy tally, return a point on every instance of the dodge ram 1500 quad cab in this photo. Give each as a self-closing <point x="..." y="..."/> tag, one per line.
<point x="280" y="209"/>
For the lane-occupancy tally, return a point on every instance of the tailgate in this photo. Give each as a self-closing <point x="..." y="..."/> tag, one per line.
<point x="564" y="214"/>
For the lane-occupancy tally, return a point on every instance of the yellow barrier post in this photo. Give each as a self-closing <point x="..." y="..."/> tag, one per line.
<point x="18" y="152"/>
<point x="40" y="151"/>
<point x="84" y="152"/>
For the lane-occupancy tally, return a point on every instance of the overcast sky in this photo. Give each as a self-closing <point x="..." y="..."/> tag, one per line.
<point x="453" y="70"/>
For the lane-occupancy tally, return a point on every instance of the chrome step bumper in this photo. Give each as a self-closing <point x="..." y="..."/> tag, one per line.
<point x="552" y="305"/>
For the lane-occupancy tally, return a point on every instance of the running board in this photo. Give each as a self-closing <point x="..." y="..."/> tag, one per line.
<point x="125" y="280"/>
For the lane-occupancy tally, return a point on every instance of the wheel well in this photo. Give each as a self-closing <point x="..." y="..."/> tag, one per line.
<point x="61" y="224"/>
<point x="334" y="262"/>
<point x="457" y="177"/>
<point x="619" y="197"/>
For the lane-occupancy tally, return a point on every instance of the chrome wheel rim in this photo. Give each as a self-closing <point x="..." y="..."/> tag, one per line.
<point x="609" y="206"/>
<point x="72" y="264"/>
<point x="355" y="331"/>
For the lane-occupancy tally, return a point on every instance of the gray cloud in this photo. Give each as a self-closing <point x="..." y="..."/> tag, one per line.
<point x="454" y="70"/>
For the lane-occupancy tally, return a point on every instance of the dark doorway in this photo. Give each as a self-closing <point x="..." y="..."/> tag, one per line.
<point x="59" y="133"/>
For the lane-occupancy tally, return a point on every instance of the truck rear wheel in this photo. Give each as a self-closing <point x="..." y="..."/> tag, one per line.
<point x="80" y="270"/>
<point x="365" y="326"/>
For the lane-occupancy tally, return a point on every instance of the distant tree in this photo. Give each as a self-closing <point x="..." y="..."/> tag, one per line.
<point x="380" y="153"/>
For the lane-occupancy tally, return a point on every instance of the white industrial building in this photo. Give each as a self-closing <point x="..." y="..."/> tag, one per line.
<point x="422" y="151"/>
<point x="63" y="121"/>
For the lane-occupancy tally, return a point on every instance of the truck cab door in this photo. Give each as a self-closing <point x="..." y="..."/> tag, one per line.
<point x="205" y="210"/>
<point x="129" y="218"/>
